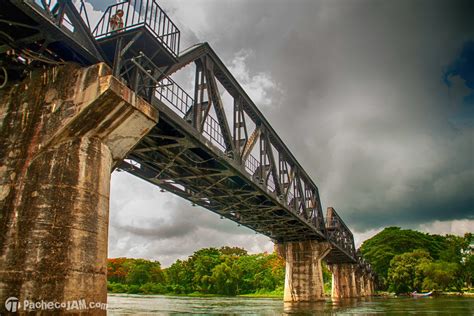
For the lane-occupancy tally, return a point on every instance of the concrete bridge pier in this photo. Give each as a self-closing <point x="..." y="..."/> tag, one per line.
<point x="369" y="285"/>
<point x="360" y="282"/>
<point x="303" y="275"/>
<point x="365" y="283"/>
<point x="344" y="281"/>
<point x="62" y="131"/>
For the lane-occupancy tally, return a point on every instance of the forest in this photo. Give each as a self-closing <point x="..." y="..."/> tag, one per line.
<point x="209" y="271"/>
<point x="404" y="260"/>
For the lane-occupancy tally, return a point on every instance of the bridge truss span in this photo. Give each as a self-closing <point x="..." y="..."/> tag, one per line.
<point x="211" y="145"/>
<point x="224" y="157"/>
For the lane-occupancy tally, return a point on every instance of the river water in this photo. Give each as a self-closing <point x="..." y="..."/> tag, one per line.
<point x="172" y="305"/>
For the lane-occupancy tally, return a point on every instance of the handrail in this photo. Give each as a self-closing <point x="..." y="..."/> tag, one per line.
<point x="166" y="90"/>
<point x="141" y="13"/>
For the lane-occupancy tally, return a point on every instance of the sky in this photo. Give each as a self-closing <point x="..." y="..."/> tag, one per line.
<point x="375" y="99"/>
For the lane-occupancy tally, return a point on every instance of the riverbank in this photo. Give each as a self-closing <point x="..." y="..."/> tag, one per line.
<point x="464" y="294"/>
<point x="270" y="295"/>
<point x="279" y="294"/>
<point x="468" y="293"/>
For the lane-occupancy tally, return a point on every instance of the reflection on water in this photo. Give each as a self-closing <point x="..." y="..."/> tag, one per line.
<point x="173" y="305"/>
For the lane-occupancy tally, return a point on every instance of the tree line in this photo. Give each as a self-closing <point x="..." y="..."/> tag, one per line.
<point x="224" y="271"/>
<point x="404" y="260"/>
<point x="408" y="260"/>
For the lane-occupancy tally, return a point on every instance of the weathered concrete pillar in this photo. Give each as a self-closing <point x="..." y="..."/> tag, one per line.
<point x="62" y="131"/>
<point x="370" y="282"/>
<point x="343" y="281"/>
<point x="367" y="286"/>
<point x="360" y="282"/>
<point x="303" y="275"/>
<point x="357" y="281"/>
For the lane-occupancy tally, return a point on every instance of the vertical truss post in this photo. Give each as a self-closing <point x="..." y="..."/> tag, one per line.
<point x="301" y="196"/>
<point x="263" y="159"/>
<point x="273" y="166"/>
<point x="283" y="172"/>
<point x="240" y="127"/>
<point x="199" y="87"/>
<point x="118" y="57"/>
<point x="213" y="91"/>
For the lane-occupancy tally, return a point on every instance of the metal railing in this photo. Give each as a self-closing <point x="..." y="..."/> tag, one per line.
<point x="170" y="93"/>
<point x="251" y="164"/>
<point x="53" y="9"/>
<point x="212" y="131"/>
<point x="140" y="13"/>
<point x="166" y="90"/>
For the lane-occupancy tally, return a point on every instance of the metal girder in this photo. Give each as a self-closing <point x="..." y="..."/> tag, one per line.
<point x="219" y="107"/>
<point x="215" y="167"/>
<point x="273" y="167"/>
<point x="251" y="141"/>
<point x="240" y="138"/>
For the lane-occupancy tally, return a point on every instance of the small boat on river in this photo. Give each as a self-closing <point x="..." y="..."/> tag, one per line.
<point x="415" y="294"/>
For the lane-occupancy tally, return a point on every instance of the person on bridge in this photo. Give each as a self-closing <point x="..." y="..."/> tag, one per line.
<point x="116" y="21"/>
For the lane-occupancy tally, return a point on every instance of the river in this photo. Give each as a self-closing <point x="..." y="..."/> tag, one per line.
<point x="165" y="305"/>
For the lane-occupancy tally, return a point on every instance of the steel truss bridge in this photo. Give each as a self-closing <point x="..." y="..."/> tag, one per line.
<point x="219" y="153"/>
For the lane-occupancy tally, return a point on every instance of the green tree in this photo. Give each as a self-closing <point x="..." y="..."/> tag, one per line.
<point x="179" y="277"/>
<point x="441" y="275"/>
<point x="456" y="248"/>
<point x="468" y="269"/>
<point x="225" y="277"/>
<point x="406" y="271"/>
<point x="142" y="271"/>
<point x="203" y="261"/>
<point x="233" y="251"/>
<point x="383" y="247"/>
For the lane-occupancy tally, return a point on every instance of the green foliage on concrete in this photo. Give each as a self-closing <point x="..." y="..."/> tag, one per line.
<point x="407" y="260"/>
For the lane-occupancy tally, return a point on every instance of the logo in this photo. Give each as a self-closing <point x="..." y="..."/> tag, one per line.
<point x="12" y="304"/>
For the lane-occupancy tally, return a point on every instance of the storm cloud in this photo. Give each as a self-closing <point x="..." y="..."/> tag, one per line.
<point x="374" y="98"/>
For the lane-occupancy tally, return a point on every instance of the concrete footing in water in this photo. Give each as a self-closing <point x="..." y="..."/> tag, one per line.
<point x="303" y="275"/>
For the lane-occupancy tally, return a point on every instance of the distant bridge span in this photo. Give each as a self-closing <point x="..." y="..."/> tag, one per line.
<point x="217" y="152"/>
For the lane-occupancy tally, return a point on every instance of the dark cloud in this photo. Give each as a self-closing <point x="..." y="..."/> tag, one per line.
<point x="363" y="105"/>
<point x="147" y="223"/>
<point x="369" y="95"/>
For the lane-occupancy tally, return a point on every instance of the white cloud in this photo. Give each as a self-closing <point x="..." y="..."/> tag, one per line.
<point x="456" y="227"/>
<point x="260" y="87"/>
<point x="92" y="14"/>
<point x="360" y="237"/>
<point x="146" y="223"/>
